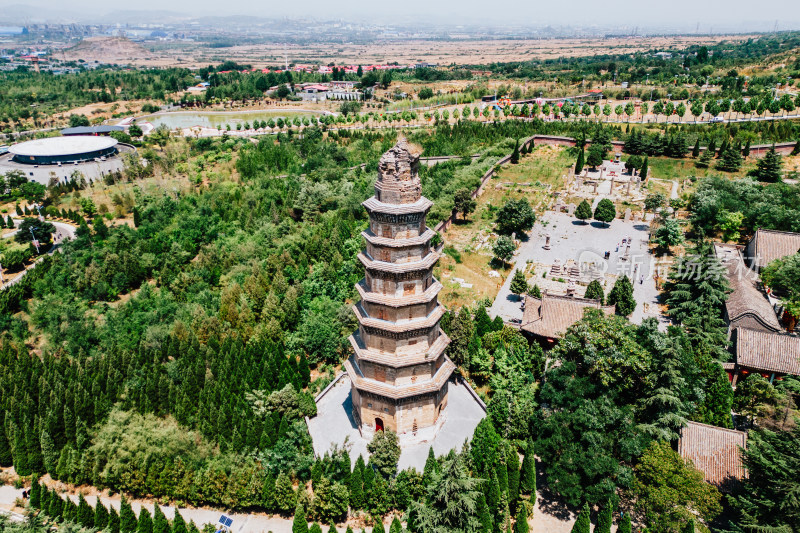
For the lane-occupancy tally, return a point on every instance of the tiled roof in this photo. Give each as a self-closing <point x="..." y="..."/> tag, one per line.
<point x="551" y="315"/>
<point x="746" y="302"/>
<point x="715" y="452"/>
<point x="769" y="352"/>
<point x="768" y="245"/>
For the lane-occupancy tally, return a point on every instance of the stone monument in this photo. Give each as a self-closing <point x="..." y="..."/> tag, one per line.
<point x="399" y="371"/>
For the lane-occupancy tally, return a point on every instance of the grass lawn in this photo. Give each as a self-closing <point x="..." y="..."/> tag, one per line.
<point x="468" y="243"/>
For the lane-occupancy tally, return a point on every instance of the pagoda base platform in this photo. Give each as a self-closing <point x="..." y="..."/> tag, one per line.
<point x="334" y="425"/>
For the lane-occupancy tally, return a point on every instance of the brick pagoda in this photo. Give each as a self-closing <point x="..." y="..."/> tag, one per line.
<point x="399" y="371"/>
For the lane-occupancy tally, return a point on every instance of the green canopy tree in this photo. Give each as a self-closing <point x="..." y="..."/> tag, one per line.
<point x="605" y="211"/>
<point x="516" y="216"/>
<point x="503" y="249"/>
<point x="519" y="285"/>
<point x="384" y="452"/>
<point x="584" y="211"/>
<point x="621" y="295"/>
<point x="594" y="291"/>
<point x="464" y="203"/>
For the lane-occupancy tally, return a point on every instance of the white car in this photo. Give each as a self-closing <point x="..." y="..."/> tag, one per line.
<point x="716" y="120"/>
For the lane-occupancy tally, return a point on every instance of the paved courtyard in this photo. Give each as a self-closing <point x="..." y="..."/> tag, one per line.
<point x="572" y="240"/>
<point x="334" y="425"/>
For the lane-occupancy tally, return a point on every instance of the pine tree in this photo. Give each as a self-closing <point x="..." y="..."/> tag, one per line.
<point x="521" y="523"/>
<point x="431" y="467"/>
<point x="730" y="160"/>
<point x="192" y="527"/>
<point x="583" y="521"/>
<point x="594" y="291"/>
<point x="160" y="524"/>
<point x="705" y="159"/>
<point x="621" y="296"/>
<point x="605" y="519"/>
<point x="483" y="323"/>
<point x="85" y="513"/>
<point x="527" y="482"/>
<point x="145" y="522"/>
<point x="795" y="150"/>
<point x="113" y="520"/>
<point x="100" y="515"/>
<point x="378" y="527"/>
<point x="581" y="161"/>
<point x="178" y="523"/>
<point x="770" y="167"/>
<point x="300" y="524"/>
<point x="10" y="222"/>
<point x="696" y="149"/>
<point x="746" y="151"/>
<point x="315" y="528"/>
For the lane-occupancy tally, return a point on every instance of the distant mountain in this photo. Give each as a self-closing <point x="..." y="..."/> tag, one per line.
<point x="21" y="14"/>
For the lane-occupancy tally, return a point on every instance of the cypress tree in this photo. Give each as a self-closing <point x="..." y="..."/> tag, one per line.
<point x="304" y="370"/>
<point x="730" y="159"/>
<point x="49" y="455"/>
<point x="20" y="454"/>
<point x="268" y="492"/>
<point x="512" y="465"/>
<point x="145" y="522"/>
<point x="193" y="527"/>
<point x="378" y="527"/>
<point x="396" y="526"/>
<point x="178" y="523"/>
<point x="696" y="149"/>
<point x="56" y="507"/>
<point x="521" y="524"/>
<point x="137" y="219"/>
<point x="527" y="482"/>
<point x="643" y="171"/>
<point x="315" y="528"/>
<point x="796" y="149"/>
<point x="484" y="514"/>
<point x="10" y="222"/>
<point x="605" y="519"/>
<point x="113" y="520"/>
<point x="127" y="520"/>
<point x="746" y="151"/>
<point x="300" y="524"/>
<point x="689" y="527"/>
<point x="332" y="527"/>
<point x="35" y="494"/>
<point x="369" y="484"/>
<point x="515" y="153"/>
<point x="493" y="493"/>
<point x="70" y="510"/>
<point x="100" y="515"/>
<point x="160" y="524"/>
<point x="502" y="476"/>
<point x="625" y="524"/>
<point x="431" y="466"/>
<point x="583" y="522"/>
<point x="580" y="162"/>
<point x="356" y="487"/>
<point x="2" y="222"/>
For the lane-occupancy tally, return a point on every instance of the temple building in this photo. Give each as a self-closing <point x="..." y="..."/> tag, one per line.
<point x="398" y="370"/>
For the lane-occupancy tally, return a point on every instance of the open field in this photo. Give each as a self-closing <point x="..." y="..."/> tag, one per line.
<point x="473" y="52"/>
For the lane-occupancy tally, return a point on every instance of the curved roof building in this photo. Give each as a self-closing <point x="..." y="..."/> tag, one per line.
<point x="54" y="150"/>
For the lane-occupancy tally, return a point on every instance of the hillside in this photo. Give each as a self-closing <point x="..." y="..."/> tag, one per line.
<point x="107" y="50"/>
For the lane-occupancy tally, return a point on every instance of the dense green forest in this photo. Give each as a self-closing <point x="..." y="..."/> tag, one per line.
<point x="177" y="358"/>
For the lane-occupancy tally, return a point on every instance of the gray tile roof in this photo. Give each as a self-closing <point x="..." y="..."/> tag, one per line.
<point x="767" y="352"/>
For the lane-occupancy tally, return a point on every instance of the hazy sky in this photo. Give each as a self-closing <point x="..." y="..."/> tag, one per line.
<point x="710" y="14"/>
